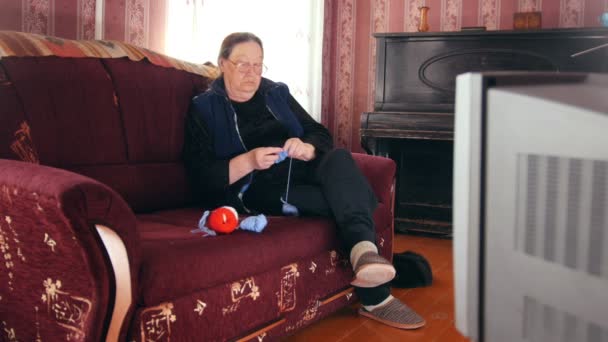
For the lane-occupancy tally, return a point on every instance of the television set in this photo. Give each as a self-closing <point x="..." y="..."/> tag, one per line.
<point x="530" y="202"/>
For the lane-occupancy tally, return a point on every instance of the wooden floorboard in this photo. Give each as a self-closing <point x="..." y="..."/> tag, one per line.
<point x="435" y="303"/>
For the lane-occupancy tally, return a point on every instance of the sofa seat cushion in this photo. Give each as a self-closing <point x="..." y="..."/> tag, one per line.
<point x="176" y="262"/>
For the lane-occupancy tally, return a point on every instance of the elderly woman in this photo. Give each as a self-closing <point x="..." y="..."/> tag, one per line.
<point x="238" y="130"/>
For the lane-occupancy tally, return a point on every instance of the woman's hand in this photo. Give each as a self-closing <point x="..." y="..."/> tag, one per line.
<point x="262" y="158"/>
<point x="298" y="149"/>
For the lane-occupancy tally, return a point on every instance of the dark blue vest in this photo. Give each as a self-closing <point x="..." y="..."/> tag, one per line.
<point x="217" y="112"/>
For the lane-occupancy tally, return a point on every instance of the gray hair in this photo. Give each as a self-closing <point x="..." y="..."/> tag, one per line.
<point x="235" y="38"/>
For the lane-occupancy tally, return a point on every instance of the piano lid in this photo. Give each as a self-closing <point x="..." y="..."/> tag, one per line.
<point x="417" y="71"/>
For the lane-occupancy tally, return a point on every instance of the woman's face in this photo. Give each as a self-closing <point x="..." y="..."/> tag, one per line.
<point x="243" y="71"/>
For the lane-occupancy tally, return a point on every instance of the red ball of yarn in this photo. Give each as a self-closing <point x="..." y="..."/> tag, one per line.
<point x="223" y="220"/>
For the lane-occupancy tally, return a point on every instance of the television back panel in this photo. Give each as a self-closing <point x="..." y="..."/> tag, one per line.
<point x="546" y="223"/>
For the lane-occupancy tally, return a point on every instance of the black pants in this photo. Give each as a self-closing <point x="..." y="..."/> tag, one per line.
<point x="330" y="186"/>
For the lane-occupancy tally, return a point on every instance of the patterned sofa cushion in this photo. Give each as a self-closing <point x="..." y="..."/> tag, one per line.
<point x="114" y="120"/>
<point x="69" y="107"/>
<point x="259" y="307"/>
<point x="15" y="139"/>
<point x="105" y="109"/>
<point x="173" y="257"/>
<point x="153" y="104"/>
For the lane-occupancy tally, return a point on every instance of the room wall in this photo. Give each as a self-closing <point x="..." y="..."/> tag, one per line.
<point x="64" y="18"/>
<point x="141" y="22"/>
<point x="349" y="47"/>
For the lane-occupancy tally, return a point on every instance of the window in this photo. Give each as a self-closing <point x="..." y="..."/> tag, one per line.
<point x="291" y="31"/>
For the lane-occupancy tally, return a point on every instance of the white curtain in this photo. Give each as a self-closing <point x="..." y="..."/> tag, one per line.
<point x="291" y="31"/>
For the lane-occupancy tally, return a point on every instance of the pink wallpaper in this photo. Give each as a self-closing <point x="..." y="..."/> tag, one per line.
<point x="141" y="22"/>
<point x="349" y="48"/>
<point x="69" y="19"/>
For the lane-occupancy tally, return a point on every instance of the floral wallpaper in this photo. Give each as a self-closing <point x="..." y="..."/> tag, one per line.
<point x="73" y="19"/>
<point x="38" y="16"/>
<point x="140" y="22"/>
<point x="349" y="48"/>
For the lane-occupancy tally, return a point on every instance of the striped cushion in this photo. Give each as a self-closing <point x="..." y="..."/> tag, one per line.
<point x="23" y="44"/>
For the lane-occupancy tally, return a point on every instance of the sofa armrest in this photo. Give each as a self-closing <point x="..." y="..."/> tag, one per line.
<point x="50" y="221"/>
<point x="380" y="173"/>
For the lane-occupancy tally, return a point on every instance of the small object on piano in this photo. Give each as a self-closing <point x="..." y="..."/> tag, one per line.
<point x="473" y="28"/>
<point x="527" y="20"/>
<point x="604" y="19"/>
<point x="424" y="21"/>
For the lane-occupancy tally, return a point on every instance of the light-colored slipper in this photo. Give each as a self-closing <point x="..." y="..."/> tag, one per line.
<point x="372" y="270"/>
<point x="395" y="314"/>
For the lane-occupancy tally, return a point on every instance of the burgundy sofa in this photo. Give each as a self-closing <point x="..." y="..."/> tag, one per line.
<point x="96" y="213"/>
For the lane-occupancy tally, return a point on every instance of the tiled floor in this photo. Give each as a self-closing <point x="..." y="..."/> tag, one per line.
<point x="434" y="303"/>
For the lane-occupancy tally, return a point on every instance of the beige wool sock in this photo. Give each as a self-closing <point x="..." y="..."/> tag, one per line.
<point x="359" y="249"/>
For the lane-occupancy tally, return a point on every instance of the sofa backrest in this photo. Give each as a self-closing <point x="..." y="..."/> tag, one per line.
<point x="113" y="119"/>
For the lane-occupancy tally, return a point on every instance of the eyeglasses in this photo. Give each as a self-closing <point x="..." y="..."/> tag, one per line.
<point x="244" y="67"/>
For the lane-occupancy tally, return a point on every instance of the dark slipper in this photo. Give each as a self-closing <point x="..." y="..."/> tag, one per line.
<point x="395" y="314"/>
<point x="372" y="270"/>
<point x="413" y="270"/>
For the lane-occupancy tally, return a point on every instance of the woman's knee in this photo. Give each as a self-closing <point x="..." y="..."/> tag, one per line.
<point x="335" y="163"/>
<point x="340" y="153"/>
<point x="338" y="156"/>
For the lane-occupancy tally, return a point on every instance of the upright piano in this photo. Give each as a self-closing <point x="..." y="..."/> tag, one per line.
<point x="413" y="117"/>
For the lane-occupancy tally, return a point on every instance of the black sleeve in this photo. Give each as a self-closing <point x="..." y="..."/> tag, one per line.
<point x="314" y="133"/>
<point x="208" y="174"/>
